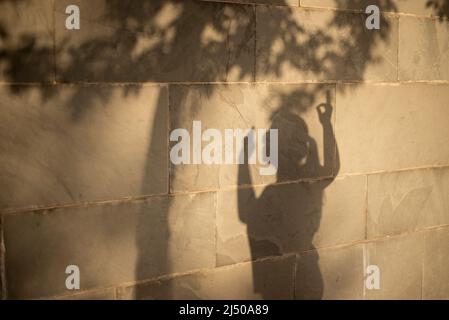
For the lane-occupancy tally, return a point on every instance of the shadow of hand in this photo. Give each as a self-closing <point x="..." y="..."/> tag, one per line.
<point x="324" y="112"/>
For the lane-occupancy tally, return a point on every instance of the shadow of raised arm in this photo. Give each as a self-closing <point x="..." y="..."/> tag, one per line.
<point x="331" y="165"/>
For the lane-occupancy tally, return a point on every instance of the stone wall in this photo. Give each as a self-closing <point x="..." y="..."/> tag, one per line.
<point x="86" y="179"/>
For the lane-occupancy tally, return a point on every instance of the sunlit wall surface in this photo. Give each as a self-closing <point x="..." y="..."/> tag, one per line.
<point x="93" y="207"/>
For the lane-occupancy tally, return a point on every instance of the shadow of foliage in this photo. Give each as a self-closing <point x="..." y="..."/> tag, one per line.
<point x="439" y="7"/>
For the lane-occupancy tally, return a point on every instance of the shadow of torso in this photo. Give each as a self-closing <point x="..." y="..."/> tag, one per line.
<point x="284" y="219"/>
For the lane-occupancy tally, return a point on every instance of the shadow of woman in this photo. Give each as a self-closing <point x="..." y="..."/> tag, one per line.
<point x="285" y="217"/>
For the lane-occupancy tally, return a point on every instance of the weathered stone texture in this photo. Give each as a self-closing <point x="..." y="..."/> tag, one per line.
<point x="2" y="263"/>
<point x="396" y="6"/>
<point x="407" y="201"/>
<point x="289" y="218"/>
<point x="111" y="244"/>
<point x="400" y="262"/>
<point x="26" y="41"/>
<point x="330" y="274"/>
<point x="102" y="294"/>
<point x="436" y="262"/>
<point x="66" y="143"/>
<point x="267" y="279"/>
<point x="299" y="44"/>
<point x="423" y="49"/>
<point x="86" y="179"/>
<point x="291" y="109"/>
<point x="391" y="127"/>
<point x="156" y="41"/>
<point x="415" y="7"/>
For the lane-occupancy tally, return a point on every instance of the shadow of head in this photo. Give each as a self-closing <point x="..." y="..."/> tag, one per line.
<point x="295" y="144"/>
